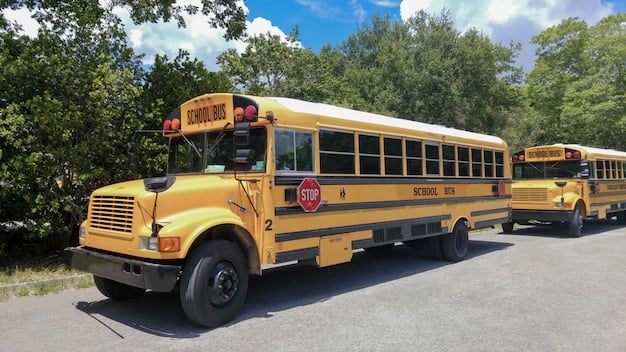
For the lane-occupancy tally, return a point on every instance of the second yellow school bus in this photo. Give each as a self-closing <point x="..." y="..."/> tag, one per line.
<point x="568" y="183"/>
<point x="256" y="181"/>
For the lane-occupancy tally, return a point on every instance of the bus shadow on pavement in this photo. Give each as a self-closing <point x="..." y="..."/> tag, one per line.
<point x="590" y="228"/>
<point x="279" y="289"/>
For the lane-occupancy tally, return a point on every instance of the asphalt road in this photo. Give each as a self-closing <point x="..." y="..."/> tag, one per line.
<point x="529" y="291"/>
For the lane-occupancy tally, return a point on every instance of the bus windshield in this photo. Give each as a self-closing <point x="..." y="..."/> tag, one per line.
<point x="213" y="152"/>
<point x="548" y="170"/>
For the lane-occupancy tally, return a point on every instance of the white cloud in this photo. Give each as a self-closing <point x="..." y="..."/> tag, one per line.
<point x="199" y="38"/>
<point x="501" y="10"/>
<point x="24" y="19"/>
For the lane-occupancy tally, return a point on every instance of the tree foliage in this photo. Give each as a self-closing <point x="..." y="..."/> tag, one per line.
<point x="426" y="70"/>
<point x="225" y="14"/>
<point x="67" y="95"/>
<point x="71" y="101"/>
<point x="577" y="84"/>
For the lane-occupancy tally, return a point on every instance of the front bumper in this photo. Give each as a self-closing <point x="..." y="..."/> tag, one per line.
<point x="133" y="272"/>
<point x="543" y="215"/>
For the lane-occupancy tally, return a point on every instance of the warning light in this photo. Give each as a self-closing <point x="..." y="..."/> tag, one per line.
<point x="522" y="157"/>
<point x="238" y="113"/>
<point x="568" y="155"/>
<point x="167" y="125"/>
<point x="176" y="124"/>
<point x="251" y="113"/>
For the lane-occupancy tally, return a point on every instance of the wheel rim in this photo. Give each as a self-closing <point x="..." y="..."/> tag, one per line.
<point x="223" y="283"/>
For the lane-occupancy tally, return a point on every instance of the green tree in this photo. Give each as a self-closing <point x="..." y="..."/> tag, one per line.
<point x="426" y="70"/>
<point x="577" y="85"/>
<point x="69" y="106"/>
<point x="225" y="14"/>
<point x="167" y="85"/>
<point x="265" y="64"/>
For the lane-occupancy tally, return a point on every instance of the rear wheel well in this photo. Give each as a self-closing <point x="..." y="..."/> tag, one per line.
<point x="232" y="233"/>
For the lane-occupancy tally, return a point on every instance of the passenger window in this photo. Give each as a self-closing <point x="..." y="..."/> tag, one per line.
<point x="488" y="157"/>
<point x="369" y="154"/>
<point x="432" y="159"/>
<point x="294" y="151"/>
<point x="499" y="164"/>
<point x="336" y="152"/>
<point x="477" y="162"/>
<point x="393" y="156"/>
<point x="414" y="158"/>
<point x="449" y="160"/>
<point x="464" y="167"/>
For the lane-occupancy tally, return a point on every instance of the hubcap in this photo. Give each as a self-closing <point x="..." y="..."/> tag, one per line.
<point x="223" y="284"/>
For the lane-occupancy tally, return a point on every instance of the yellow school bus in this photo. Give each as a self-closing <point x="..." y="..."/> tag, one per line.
<point x="257" y="181"/>
<point x="566" y="184"/>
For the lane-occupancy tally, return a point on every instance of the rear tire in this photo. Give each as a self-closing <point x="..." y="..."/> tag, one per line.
<point x="214" y="283"/>
<point x="621" y="217"/>
<point x="454" y="245"/>
<point x="116" y="290"/>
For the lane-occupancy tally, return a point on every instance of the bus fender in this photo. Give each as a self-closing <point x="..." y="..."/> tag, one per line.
<point x="197" y="225"/>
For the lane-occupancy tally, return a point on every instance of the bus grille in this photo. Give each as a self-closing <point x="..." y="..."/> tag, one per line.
<point x="114" y="213"/>
<point x="530" y="195"/>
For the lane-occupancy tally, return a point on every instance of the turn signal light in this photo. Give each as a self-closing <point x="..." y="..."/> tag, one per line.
<point x="169" y="244"/>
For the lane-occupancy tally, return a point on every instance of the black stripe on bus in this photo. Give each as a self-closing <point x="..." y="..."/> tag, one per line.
<point x="298" y="254"/>
<point x="383" y="204"/>
<point x="381" y="180"/>
<point x="490" y="211"/>
<point x="610" y="203"/>
<point x="298" y="235"/>
<point x="488" y="223"/>
<point x="606" y="193"/>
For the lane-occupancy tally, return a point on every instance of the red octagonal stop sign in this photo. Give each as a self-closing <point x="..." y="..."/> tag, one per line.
<point x="309" y="194"/>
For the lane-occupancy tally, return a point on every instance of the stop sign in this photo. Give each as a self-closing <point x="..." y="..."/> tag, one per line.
<point x="309" y="194"/>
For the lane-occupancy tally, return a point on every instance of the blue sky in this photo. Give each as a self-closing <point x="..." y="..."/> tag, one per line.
<point x="332" y="21"/>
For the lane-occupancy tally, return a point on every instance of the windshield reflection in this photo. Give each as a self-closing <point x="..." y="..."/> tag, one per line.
<point x="183" y="158"/>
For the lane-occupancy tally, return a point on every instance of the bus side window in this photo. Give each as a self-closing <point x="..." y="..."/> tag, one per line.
<point x="584" y="170"/>
<point x="432" y="159"/>
<point x="600" y="168"/>
<point x="285" y="150"/>
<point x="258" y="140"/>
<point x="294" y="150"/>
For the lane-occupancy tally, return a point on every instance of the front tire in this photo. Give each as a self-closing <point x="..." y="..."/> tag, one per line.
<point x="507" y="227"/>
<point x="454" y="245"/>
<point x="575" y="227"/>
<point x="214" y="283"/>
<point x="116" y="290"/>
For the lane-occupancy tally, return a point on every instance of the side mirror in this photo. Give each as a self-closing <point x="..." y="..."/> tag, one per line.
<point x="158" y="184"/>
<point x="560" y="183"/>
<point x="241" y="135"/>
<point x="242" y="157"/>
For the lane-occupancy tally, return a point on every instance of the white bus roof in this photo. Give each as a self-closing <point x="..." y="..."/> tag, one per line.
<point x="301" y="106"/>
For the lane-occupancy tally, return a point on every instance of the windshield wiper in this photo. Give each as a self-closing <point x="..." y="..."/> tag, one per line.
<point x="218" y="139"/>
<point x="190" y="144"/>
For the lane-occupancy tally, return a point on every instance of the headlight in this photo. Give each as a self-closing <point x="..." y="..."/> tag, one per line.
<point x="82" y="233"/>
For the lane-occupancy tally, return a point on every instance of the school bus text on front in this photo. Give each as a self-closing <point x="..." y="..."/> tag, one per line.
<point x="567" y="184"/>
<point x="252" y="182"/>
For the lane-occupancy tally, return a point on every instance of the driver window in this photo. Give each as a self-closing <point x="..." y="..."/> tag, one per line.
<point x="294" y="151"/>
